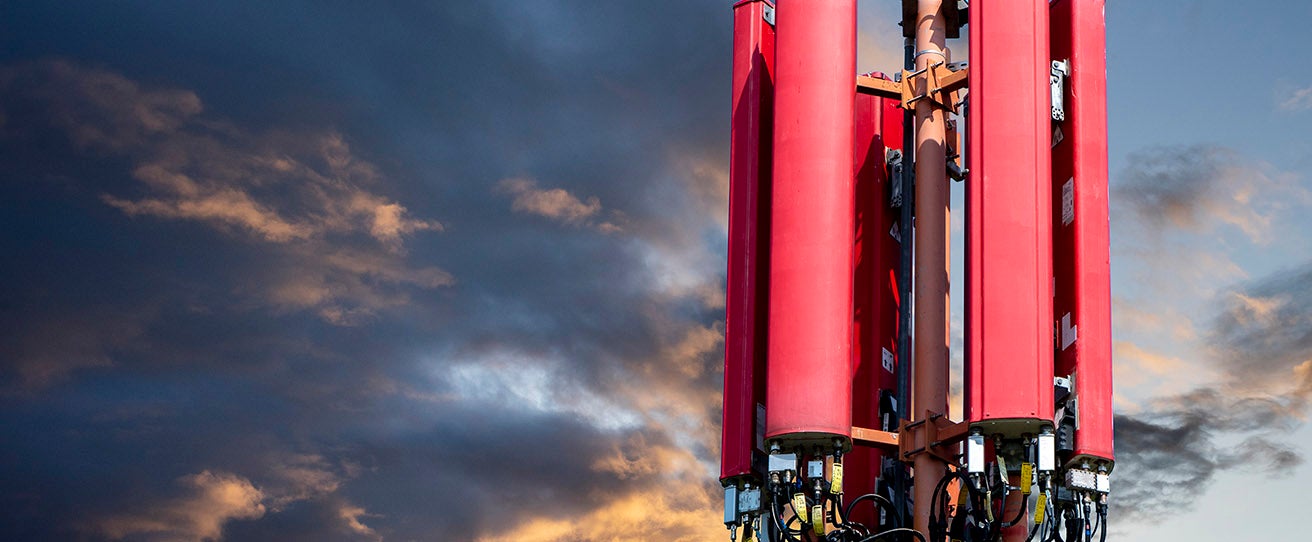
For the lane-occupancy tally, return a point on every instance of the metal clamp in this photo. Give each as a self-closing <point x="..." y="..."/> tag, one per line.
<point x="1061" y="69"/>
<point x="930" y="52"/>
<point x="894" y="160"/>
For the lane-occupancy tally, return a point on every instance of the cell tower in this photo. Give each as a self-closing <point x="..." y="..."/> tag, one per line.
<point x="837" y="337"/>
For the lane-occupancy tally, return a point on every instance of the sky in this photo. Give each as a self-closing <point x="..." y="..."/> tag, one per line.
<point x="455" y="270"/>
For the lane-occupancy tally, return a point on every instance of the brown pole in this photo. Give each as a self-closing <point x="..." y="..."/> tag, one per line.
<point x="930" y="360"/>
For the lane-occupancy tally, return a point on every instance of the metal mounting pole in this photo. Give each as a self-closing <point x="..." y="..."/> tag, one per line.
<point x="930" y="360"/>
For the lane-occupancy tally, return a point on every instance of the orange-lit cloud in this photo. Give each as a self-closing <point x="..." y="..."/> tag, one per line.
<point x="556" y="204"/>
<point x="1200" y="188"/>
<point x="209" y="500"/>
<point x="676" y="504"/>
<point x="315" y="205"/>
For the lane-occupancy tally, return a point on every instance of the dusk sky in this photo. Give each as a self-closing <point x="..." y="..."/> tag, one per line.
<point x="454" y="270"/>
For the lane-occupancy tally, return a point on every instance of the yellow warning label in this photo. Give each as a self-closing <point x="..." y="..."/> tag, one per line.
<point x="1026" y="476"/>
<point x="836" y="478"/>
<point x="799" y="506"/>
<point x="818" y="519"/>
<point x="1039" y="508"/>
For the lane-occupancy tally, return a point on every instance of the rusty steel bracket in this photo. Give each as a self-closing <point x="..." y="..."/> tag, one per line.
<point x="933" y="435"/>
<point x="875" y="438"/>
<point x="875" y="86"/>
<point x="937" y="83"/>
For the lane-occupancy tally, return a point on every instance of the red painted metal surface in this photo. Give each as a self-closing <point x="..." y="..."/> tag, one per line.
<point x="1080" y="231"/>
<point x="1009" y="233"/>
<point x="809" y="391"/>
<point x="746" y="305"/>
<point x="875" y="303"/>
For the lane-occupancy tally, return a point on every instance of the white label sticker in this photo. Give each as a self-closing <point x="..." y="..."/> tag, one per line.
<point x="1057" y="136"/>
<point x="1068" y="332"/>
<point x="897" y="234"/>
<point x="1068" y="202"/>
<point x="888" y="360"/>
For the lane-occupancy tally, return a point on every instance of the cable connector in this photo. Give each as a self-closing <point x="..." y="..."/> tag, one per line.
<point x="1047" y="450"/>
<point x="975" y="452"/>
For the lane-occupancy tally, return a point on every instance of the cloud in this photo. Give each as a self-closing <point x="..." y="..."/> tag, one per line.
<point x="673" y="504"/>
<point x="305" y="195"/>
<point x="345" y="286"/>
<point x="54" y="344"/>
<point x="1198" y="188"/>
<point x="1261" y="344"/>
<point x="300" y="477"/>
<point x="204" y="505"/>
<point x="1298" y="100"/>
<point x="1265" y="327"/>
<point x="1155" y="363"/>
<point x="208" y="501"/>
<point x="237" y="225"/>
<point x="1167" y="467"/>
<point x="555" y="203"/>
<point x="510" y="381"/>
<point x="101" y="110"/>
<point x="351" y="515"/>
<point x="660" y="515"/>
<point x="690" y="354"/>
<point x="1169" y="454"/>
<point x="705" y="174"/>
<point x="280" y="188"/>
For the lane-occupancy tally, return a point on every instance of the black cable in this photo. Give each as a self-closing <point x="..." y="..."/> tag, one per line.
<point x="1033" y="531"/>
<point x="789" y="532"/>
<point x="937" y="515"/>
<point x="906" y="216"/>
<point x="878" y="499"/>
<point x="1097" y="524"/>
<point x="777" y="520"/>
<point x="899" y="530"/>
<point x="1102" y="523"/>
<point x="838" y="507"/>
<point x="1020" y="514"/>
<point x="840" y="518"/>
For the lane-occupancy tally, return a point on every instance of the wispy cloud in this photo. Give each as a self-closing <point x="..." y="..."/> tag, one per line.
<point x="208" y="501"/>
<point x="1198" y="188"/>
<point x="306" y="195"/>
<point x="555" y="204"/>
<point x="54" y="344"/>
<point x="203" y="504"/>
<point x="351" y="515"/>
<point x="1298" y="100"/>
